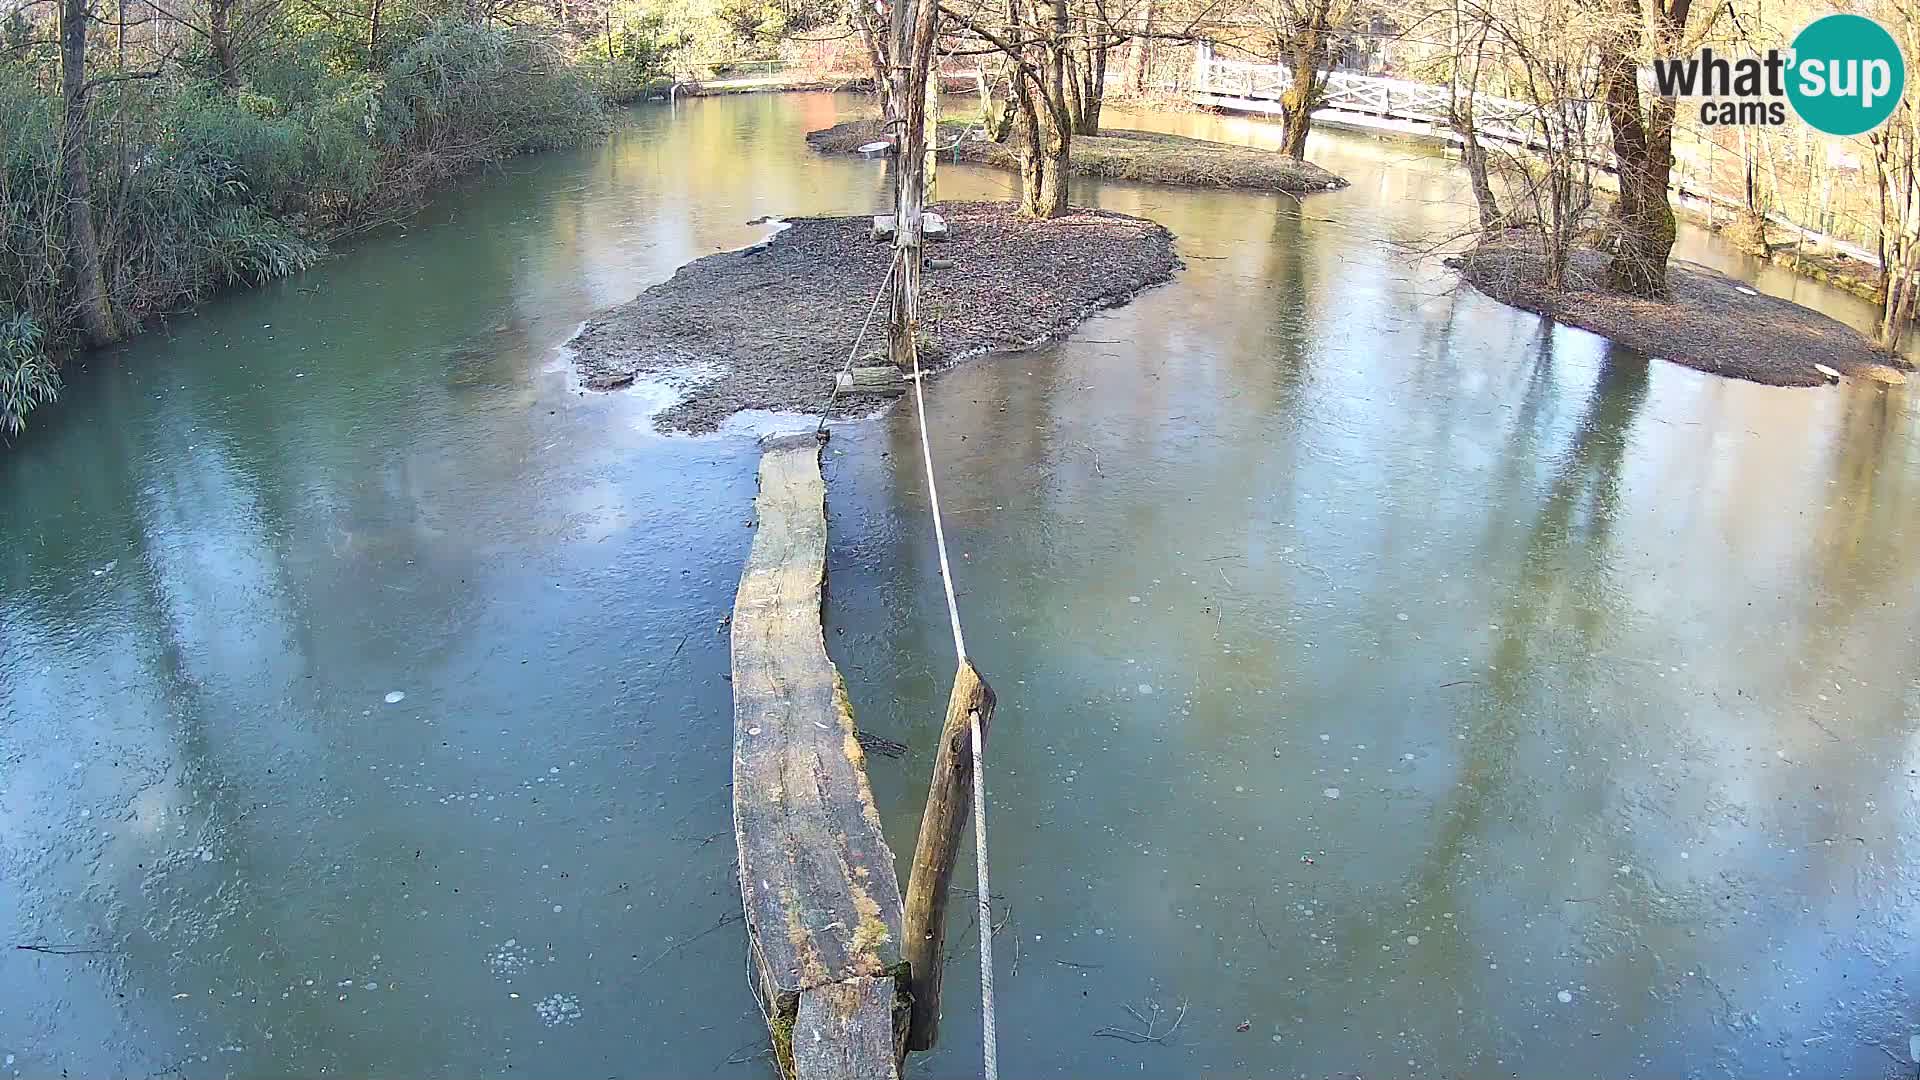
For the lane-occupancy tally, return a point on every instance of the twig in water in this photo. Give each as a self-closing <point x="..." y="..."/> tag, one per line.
<point x="59" y="950"/>
<point x="749" y="1052"/>
<point x="874" y="744"/>
<point x="1253" y="916"/>
<point x="1456" y="682"/>
<point x="1147" y="1035"/>
<point x="1083" y="967"/>
<point x="725" y="920"/>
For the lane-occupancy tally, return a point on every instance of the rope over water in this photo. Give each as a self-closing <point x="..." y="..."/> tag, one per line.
<point x="989" y="1050"/>
<point x="847" y="368"/>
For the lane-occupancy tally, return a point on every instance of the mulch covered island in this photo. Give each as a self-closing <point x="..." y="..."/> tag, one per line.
<point x="770" y="326"/>
<point x="1146" y="156"/>
<point x="1708" y="321"/>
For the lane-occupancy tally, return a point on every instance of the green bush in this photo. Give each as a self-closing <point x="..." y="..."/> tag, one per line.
<point x="465" y="93"/>
<point x="634" y="59"/>
<point x="27" y="377"/>
<point x="199" y="186"/>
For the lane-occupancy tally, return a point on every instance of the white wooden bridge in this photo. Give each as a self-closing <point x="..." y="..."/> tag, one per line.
<point x="1364" y="101"/>
<point x="1378" y="103"/>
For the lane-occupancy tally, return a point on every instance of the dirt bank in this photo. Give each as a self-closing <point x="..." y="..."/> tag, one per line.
<point x="1145" y="156"/>
<point x="1709" y="321"/>
<point x="768" y="327"/>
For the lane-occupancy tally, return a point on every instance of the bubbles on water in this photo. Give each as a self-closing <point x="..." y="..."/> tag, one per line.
<point x="395" y="697"/>
<point x="1146" y="689"/>
<point x="1331" y="793"/>
<point x="508" y="959"/>
<point x="557" y="1009"/>
<point x="1565" y="996"/>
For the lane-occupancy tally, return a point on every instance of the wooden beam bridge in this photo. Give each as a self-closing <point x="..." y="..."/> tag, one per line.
<point x="817" y="878"/>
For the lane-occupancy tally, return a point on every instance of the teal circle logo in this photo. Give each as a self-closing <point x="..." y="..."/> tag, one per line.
<point x="1847" y="76"/>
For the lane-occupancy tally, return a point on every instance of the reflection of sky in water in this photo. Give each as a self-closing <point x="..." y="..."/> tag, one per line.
<point x="1608" y="662"/>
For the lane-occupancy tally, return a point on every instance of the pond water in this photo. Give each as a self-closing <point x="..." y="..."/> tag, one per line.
<point x="1410" y="683"/>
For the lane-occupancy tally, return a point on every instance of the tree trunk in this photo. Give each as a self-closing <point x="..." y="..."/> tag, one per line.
<point x="1076" y="101"/>
<point x="1139" y="55"/>
<point x="1056" y="132"/>
<point x="1052" y="188"/>
<point x="1044" y="152"/>
<point x="1296" y="104"/>
<point x="1899" y="240"/>
<point x="373" y="35"/>
<point x="1030" y="144"/>
<point x="1475" y="154"/>
<point x="877" y="54"/>
<point x="1642" y="146"/>
<point x="220" y="40"/>
<point x="1303" y="56"/>
<point x="1093" y="89"/>
<point x="916" y="28"/>
<point x="89" y="281"/>
<point x="1643" y="155"/>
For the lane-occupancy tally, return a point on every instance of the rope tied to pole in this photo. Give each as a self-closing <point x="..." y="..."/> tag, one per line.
<point x="853" y="353"/>
<point x="989" y="1038"/>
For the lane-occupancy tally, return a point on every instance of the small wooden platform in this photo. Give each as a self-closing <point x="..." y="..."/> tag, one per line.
<point x="932" y="226"/>
<point x="817" y="882"/>
<point x="881" y="378"/>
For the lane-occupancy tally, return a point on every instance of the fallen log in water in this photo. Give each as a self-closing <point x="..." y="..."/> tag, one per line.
<point x="817" y="880"/>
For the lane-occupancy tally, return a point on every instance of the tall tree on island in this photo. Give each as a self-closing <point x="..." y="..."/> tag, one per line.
<point x="1305" y="47"/>
<point x="1034" y="36"/>
<point x="1300" y="36"/>
<point x="1641" y="123"/>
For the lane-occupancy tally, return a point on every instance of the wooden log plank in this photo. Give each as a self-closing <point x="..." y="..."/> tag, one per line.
<point x="949" y="802"/>
<point x="817" y="879"/>
<point x="846" y="1030"/>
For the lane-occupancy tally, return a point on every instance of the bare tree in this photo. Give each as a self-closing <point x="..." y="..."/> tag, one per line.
<point x="1549" y="45"/>
<point x="1470" y="29"/>
<point x="1896" y="159"/>
<point x="1034" y="37"/>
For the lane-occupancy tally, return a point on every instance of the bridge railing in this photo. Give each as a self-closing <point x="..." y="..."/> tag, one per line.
<point x="1351" y="91"/>
<point x="1517" y="123"/>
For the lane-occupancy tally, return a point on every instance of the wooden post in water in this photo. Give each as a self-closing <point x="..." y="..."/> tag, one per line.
<point x="949" y="802"/>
